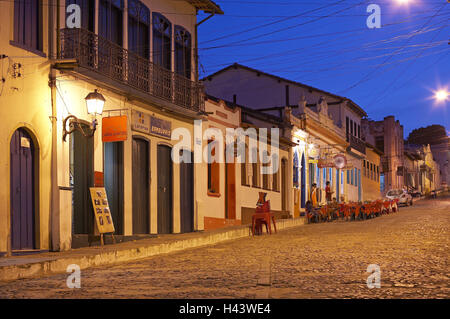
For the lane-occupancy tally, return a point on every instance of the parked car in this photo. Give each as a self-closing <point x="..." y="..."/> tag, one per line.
<point x="403" y="197"/>
<point x="415" y="193"/>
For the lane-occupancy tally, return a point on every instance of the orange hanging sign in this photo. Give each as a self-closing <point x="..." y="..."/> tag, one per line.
<point x="114" y="128"/>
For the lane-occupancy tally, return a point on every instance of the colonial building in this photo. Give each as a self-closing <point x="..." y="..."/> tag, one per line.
<point x="436" y="136"/>
<point x="425" y="175"/>
<point x="337" y="128"/>
<point x="388" y="136"/>
<point x="139" y="58"/>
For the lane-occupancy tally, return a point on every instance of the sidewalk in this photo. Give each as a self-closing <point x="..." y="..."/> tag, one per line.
<point x="45" y="264"/>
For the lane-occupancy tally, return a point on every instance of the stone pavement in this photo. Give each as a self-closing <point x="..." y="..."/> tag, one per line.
<point x="327" y="260"/>
<point x="42" y="264"/>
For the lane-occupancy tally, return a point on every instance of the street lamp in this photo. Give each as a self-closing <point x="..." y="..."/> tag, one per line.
<point x="441" y="95"/>
<point x="94" y="105"/>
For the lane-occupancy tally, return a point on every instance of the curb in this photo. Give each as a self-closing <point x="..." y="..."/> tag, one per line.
<point x="57" y="265"/>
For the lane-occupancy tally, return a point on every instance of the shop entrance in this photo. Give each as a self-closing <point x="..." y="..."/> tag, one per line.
<point x="113" y="172"/>
<point x="141" y="186"/>
<point x="187" y="194"/>
<point x="81" y="178"/>
<point x="165" y="172"/>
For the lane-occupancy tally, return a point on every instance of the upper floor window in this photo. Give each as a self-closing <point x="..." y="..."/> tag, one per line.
<point x="183" y="49"/>
<point x="87" y="12"/>
<point x="138" y="28"/>
<point x="110" y="20"/>
<point x="28" y="23"/>
<point x="162" y="41"/>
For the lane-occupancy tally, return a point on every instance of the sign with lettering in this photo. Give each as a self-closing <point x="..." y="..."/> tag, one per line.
<point x="160" y="127"/>
<point x="148" y="124"/>
<point x="140" y="122"/>
<point x="102" y="212"/>
<point x="114" y="128"/>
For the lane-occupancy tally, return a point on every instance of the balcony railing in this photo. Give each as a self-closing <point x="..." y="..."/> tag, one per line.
<point x="109" y="59"/>
<point x="356" y="143"/>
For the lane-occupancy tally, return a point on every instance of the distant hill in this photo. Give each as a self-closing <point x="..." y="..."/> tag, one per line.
<point x="433" y="134"/>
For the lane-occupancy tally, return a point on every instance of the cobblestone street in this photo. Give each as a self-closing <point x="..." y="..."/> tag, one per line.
<point x="312" y="261"/>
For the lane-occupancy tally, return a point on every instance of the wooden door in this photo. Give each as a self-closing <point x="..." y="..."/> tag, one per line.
<point x="187" y="195"/>
<point x="230" y="191"/>
<point x="113" y="172"/>
<point x="22" y="191"/>
<point x="82" y="177"/>
<point x="141" y="186"/>
<point x="165" y="213"/>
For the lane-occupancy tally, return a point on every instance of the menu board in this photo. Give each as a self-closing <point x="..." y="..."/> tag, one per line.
<point x="102" y="212"/>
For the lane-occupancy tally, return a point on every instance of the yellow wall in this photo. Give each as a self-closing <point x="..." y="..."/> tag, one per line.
<point x="24" y="102"/>
<point x="371" y="186"/>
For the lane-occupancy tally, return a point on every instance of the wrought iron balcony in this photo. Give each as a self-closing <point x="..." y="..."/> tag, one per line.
<point x="356" y="143"/>
<point x="109" y="59"/>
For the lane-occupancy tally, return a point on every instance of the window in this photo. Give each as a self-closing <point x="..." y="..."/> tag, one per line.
<point x="87" y="12"/>
<point x="348" y="176"/>
<point x="275" y="181"/>
<point x="351" y="181"/>
<point x="379" y="143"/>
<point x="351" y="127"/>
<point x="356" y="177"/>
<point x="364" y="166"/>
<point x="244" y="174"/>
<point x="347" y="124"/>
<point x="354" y="130"/>
<point x="183" y="49"/>
<point x="213" y="170"/>
<point x="28" y="24"/>
<point x="265" y="177"/>
<point x="359" y="131"/>
<point x="256" y="172"/>
<point x="110" y="20"/>
<point x="162" y="41"/>
<point x="138" y="28"/>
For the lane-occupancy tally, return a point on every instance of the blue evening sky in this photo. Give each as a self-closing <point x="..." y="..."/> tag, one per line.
<point x="393" y="70"/>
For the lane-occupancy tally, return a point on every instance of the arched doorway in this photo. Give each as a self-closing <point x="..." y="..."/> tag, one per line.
<point x="23" y="177"/>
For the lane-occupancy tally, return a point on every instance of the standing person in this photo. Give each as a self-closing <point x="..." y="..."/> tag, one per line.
<point x="328" y="192"/>
<point x="313" y="195"/>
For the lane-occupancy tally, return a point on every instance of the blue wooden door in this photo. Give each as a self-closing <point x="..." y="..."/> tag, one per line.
<point x="22" y="191"/>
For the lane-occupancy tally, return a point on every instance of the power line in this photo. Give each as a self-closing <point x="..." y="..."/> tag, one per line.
<point x="365" y="78"/>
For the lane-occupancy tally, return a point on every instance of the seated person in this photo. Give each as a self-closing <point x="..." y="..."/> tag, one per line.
<point x="311" y="213"/>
